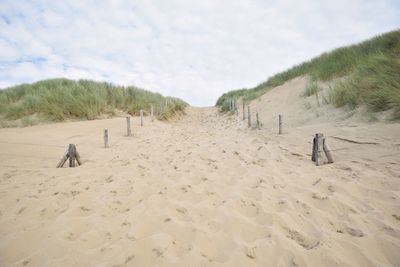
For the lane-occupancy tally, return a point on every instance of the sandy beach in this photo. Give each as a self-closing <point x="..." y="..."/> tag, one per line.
<point x="204" y="190"/>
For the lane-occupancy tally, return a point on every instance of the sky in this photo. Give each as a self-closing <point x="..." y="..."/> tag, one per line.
<point x="195" y="50"/>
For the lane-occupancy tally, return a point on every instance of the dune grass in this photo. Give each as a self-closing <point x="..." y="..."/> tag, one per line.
<point x="62" y="99"/>
<point x="312" y="88"/>
<point x="370" y="65"/>
<point x="375" y="83"/>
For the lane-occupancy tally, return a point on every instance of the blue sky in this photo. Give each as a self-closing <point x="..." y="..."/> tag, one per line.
<point x="195" y="50"/>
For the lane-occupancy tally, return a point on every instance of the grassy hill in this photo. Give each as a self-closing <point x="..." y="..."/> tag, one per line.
<point x="63" y="99"/>
<point x="369" y="72"/>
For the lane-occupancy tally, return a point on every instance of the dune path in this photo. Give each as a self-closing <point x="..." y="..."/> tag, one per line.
<point x="203" y="190"/>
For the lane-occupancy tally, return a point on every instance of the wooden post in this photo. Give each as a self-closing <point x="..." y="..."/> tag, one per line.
<point x="318" y="142"/>
<point x="314" y="148"/>
<point x="236" y="107"/>
<point x="141" y="117"/>
<point x="152" y="113"/>
<point x="244" y="111"/>
<point x="327" y="151"/>
<point x="280" y="124"/>
<point x="258" y="121"/>
<point x="248" y="116"/>
<point x="71" y="154"/>
<point x="106" y="138"/>
<point x="128" y="126"/>
<point x="63" y="160"/>
<point x="78" y="158"/>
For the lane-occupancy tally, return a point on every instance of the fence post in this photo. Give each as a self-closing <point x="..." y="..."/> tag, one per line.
<point x="244" y="111"/>
<point x="258" y="121"/>
<point x="105" y="138"/>
<point x="327" y="151"/>
<point x="128" y="126"/>
<point x="71" y="154"/>
<point x="319" y="144"/>
<point x="141" y="117"/>
<point x="152" y="113"/>
<point x="248" y="116"/>
<point x="280" y="124"/>
<point x="236" y="107"/>
<point x="319" y="141"/>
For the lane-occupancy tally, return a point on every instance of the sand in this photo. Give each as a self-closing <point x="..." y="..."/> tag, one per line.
<point x="204" y="190"/>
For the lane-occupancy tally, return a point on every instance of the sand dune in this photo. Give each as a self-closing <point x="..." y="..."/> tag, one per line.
<point x="203" y="191"/>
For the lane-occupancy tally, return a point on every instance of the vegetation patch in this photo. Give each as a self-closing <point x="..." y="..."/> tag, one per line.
<point x="375" y="83"/>
<point x="62" y="99"/>
<point x="312" y="88"/>
<point x="372" y="68"/>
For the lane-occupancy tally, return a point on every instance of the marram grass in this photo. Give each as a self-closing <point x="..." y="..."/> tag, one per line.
<point x="370" y="70"/>
<point x="62" y="99"/>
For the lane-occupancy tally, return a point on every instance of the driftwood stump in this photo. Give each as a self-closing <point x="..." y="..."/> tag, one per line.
<point x="71" y="154"/>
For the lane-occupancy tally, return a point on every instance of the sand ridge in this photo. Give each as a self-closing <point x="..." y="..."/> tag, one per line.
<point x="202" y="191"/>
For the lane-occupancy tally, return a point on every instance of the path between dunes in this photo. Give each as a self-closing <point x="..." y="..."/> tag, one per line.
<point x="201" y="191"/>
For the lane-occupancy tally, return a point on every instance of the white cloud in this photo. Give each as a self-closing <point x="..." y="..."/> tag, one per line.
<point x="194" y="50"/>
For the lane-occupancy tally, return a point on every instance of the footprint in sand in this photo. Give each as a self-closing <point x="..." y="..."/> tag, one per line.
<point x="126" y="224"/>
<point x="354" y="232"/>
<point x="84" y="209"/>
<point x="158" y="252"/>
<point x="305" y="241"/>
<point x="21" y="210"/>
<point x="250" y="252"/>
<point x="318" y="196"/>
<point x="282" y="205"/>
<point x="42" y="212"/>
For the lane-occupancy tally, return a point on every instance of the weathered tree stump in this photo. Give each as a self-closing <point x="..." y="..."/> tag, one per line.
<point x="71" y="154"/>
